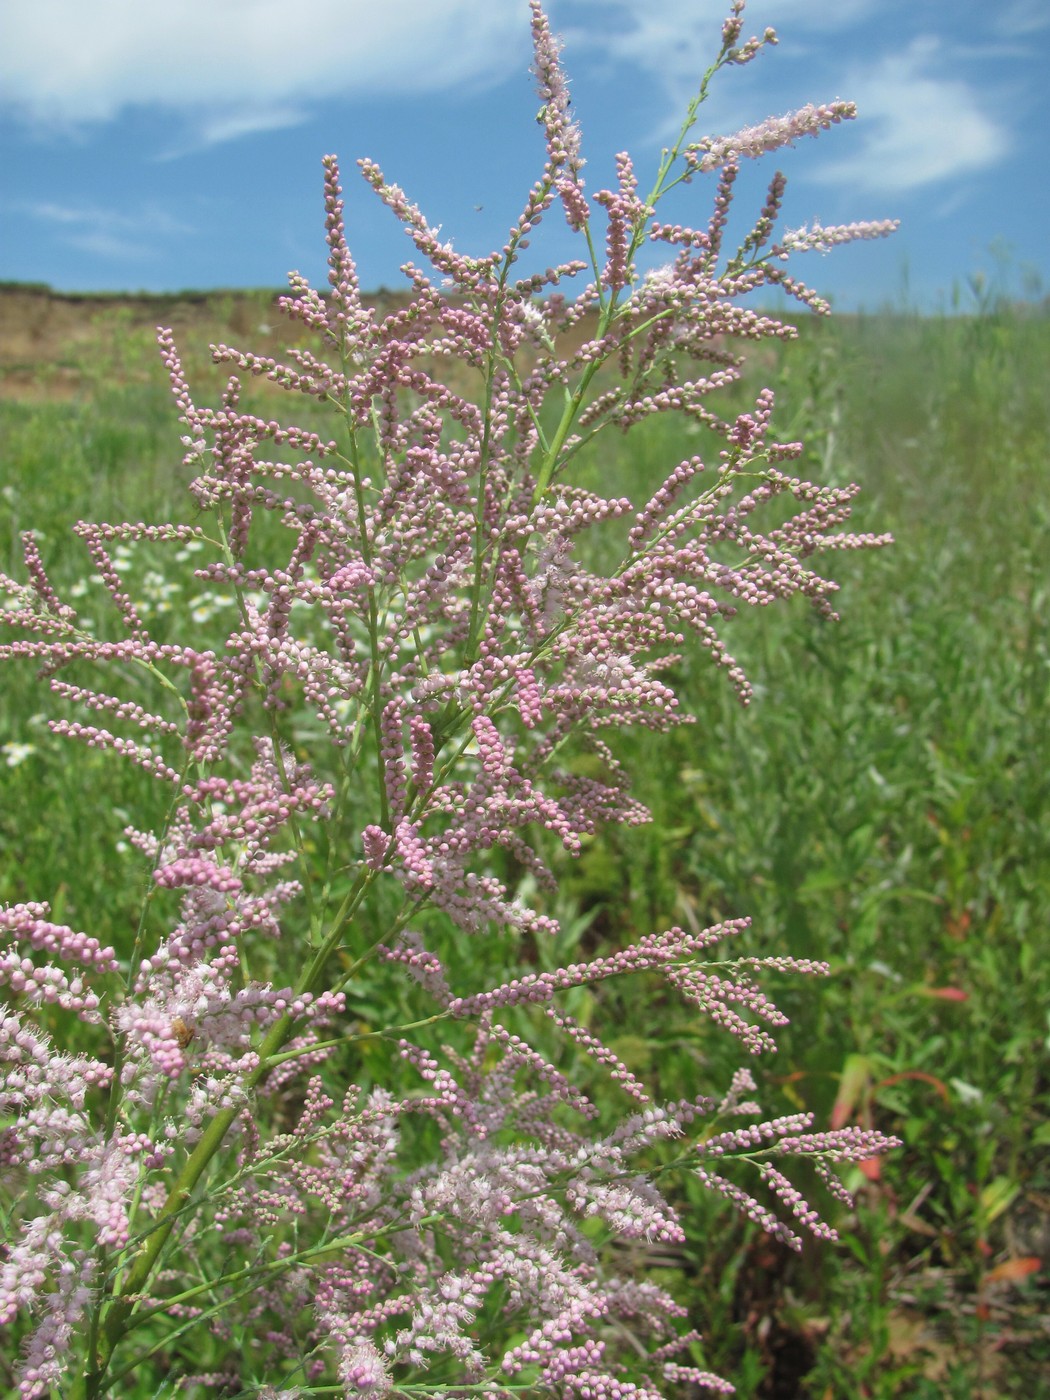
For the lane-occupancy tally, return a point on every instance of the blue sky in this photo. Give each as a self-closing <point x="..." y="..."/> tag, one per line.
<point x="162" y="146"/>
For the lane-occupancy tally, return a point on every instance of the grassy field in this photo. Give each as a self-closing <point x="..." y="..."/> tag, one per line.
<point x="882" y="805"/>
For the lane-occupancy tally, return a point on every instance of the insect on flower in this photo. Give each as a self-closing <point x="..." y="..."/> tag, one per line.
<point x="183" y="1032"/>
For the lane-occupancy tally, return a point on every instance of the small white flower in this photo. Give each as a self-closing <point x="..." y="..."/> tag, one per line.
<point x="14" y="754"/>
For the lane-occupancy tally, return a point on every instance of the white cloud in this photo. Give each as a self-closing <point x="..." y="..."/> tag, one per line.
<point x="1020" y="18"/>
<point x="820" y="15"/>
<point x="211" y="128"/>
<point x="674" y="42"/>
<point x="917" y="126"/>
<point x="921" y="123"/>
<point x="232" y="68"/>
<point x="228" y="63"/>
<point x="107" y="233"/>
<point x="677" y="39"/>
<point x="247" y="122"/>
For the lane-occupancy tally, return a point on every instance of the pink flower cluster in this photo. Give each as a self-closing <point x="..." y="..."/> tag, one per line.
<point x="38" y="983"/>
<point x="314" y="1113"/>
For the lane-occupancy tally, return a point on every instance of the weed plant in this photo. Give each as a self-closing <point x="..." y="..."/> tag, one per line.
<point x="877" y="809"/>
<point x="904" y="1308"/>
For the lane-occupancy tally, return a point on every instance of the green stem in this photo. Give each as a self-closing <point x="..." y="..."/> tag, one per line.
<point x="117" y="1318"/>
<point x="573" y="404"/>
<point x="122" y="1307"/>
<point x="610" y="308"/>
<point x="375" y="670"/>
<point x="387" y="1033"/>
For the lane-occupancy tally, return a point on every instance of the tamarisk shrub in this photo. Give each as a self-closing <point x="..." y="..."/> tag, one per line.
<point x="299" y="1137"/>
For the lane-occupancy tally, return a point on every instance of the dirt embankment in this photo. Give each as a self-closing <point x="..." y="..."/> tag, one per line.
<point x="56" y="346"/>
<point x="53" y="344"/>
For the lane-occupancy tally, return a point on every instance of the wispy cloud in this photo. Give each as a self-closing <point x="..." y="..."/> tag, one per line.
<point x="211" y="128"/>
<point x="248" y="121"/>
<point x="107" y="233"/>
<point x="673" y="43"/>
<point x="1019" y="19"/>
<point x="920" y="126"/>
<point x="676" y="39"/>
<point x="225" y="64"/>
<point x="922" y="123"/>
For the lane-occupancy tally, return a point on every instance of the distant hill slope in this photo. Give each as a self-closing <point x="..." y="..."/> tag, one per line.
<point x="46" y="336"/>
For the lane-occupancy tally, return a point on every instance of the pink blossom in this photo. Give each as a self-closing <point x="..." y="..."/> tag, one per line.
<point x="308" y="1102"/>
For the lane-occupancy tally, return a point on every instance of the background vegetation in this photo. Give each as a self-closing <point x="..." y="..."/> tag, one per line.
<point x="882" y="804"/>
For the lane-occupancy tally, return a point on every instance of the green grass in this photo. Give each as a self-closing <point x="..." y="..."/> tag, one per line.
<point x="882" y="805"/>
